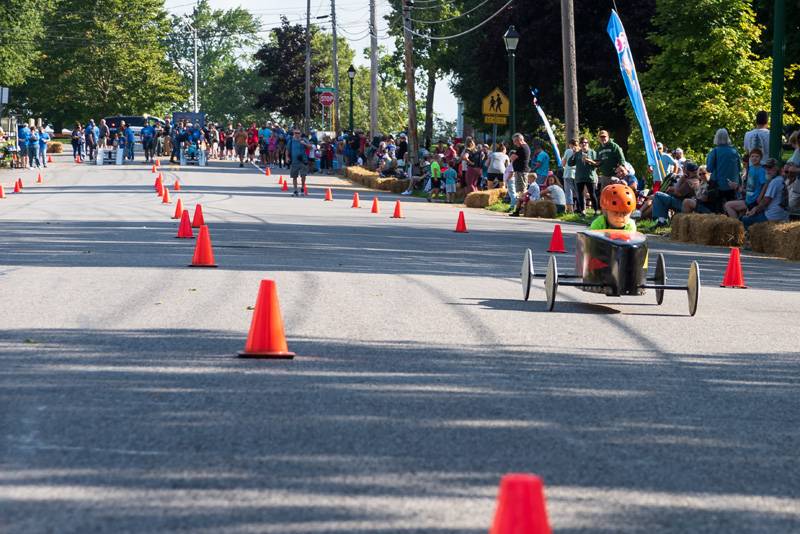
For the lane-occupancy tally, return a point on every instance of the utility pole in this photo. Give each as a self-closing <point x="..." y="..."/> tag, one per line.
<point x="307" y="115"/>
<point x="335" y="114"/>
<point x="570" y="69"/>
<point x="373" y="75"/>
<point x="778" y="61"/>
<point x="413" y="145"/>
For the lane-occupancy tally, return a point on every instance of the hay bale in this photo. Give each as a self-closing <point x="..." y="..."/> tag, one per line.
<point x="55" y="147"/>
<point x="679" y="227"/>
<point x="727" y="232"/>
<point x="398" y="186"/>
<point x="790" y="244"/>
<point x="764" y="238"/>
<point x="544" y="209"/>
<point x="482" y="199"/>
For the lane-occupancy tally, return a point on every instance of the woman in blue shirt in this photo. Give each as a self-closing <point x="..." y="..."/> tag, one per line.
<point x="44" y="137"/>
<point x="33" y="148"/>
<point x="725" y="166"/>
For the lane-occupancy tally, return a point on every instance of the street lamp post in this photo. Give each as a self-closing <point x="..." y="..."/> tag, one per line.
<point x="351" y="73"/>
<point x="511" y="38"/>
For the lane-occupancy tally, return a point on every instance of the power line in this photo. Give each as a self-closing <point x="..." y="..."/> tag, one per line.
<point x="451" y="18"/>
<point x="465" y="32"/>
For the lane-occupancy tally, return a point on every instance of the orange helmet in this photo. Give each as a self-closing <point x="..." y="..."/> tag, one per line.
<point x="619" y="198"/>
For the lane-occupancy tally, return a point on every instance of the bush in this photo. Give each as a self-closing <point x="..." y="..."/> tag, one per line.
<point x="544" y="209"/>
<point x="482" y="199"/>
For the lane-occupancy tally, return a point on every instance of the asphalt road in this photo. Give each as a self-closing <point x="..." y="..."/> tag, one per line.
<point x="421" y="376"/>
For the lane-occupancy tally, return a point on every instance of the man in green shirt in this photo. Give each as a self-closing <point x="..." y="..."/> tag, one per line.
<point x="585" y="163"/>
<point x="609" y="157"/>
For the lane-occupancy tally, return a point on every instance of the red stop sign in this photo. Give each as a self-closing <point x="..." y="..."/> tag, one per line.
<point x="326" y="98"/>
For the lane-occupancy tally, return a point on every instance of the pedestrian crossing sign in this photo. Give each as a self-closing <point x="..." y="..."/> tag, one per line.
<point x="495" y="103"/>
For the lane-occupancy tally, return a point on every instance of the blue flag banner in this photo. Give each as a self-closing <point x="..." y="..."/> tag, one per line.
<point x="540" y="111"/>
<point x="620" y="40"/>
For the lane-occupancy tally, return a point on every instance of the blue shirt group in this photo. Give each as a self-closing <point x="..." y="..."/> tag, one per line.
<point x="724" y="164"/>
<point x="756" y="178"/>
<point x="542" y="163"/>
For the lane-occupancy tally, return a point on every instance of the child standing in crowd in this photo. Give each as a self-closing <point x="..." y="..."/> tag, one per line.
<point x="450" y="177"/>
<point x="436" y="177"/>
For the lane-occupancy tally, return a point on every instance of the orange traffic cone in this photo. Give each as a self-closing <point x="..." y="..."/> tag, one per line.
<point x="158" y="163"/>
<point x="19" y="180"/>
<point x="266" y="338"/>
<point x="267" y="171"/>
<point x="160" y="189"/>
<point x="198" y="219"/>
<point x="520" y="506"/>
<point x="280" y="180"/>
<point x="2" y="192"/>
<point x="285" y="186"/>
<point x="461" y="225"/>
<point x="305" y="190"/>
<point x="734" y="277"/>
<point x="557" y="241"/>
<point x="49" y="158"/>
<point x="176" y="186"/>
<point x="165" y="197"/>
<point x="375" y="207"/>
<point x="153" y="168"/>
<point x="203" y="253"/>
<point x="77" y="159"/>
<point x="355" y="201"/>
<point x="178" y="209"/>
<point x="155" y="184"/>
<point x="185" y="227"/>
<point x="39" y="178"/>
<point x="398" y="211"/>
<point x="328" y="195"/>
<point x="17" y="188"/>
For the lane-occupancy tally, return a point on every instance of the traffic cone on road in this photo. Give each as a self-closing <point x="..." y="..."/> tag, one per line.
<point x="198" y="219"/>
<point x="160" y="189"/>
<point x="267" y="171"/>
<point x="355" y="201"/>
<point x="155" y="184"/>
<point x="19" y="180"/>
<point x="185" y="227"/>
<point x="461" y="225"/>
<point x="165" y="197"/>
<point x="398" y="211"/>
<point x="285" y="186"/>
<point x="17" y="188"/>
<point x="375" y="207"/>
<point x="39" y="178"/>
<point x="2" y="192"/>
<point x="520" y="506"/>
<point x="49" y="158"/>
<point x="557" y="241"/>
<point x="153" y="168"/>
<point x="178" y="209"/>
<point x="266" y="338"/>
<point x="176" y="186"/>
<point x="328" y="195"/>
<point x="305" y="190"/>
<point x="280" y="180"/>
<point x="734" y="277"/>
<point x="203" y="253"/>
<point x="158" y="163"/>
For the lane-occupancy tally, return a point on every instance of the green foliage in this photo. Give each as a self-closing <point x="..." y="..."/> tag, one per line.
<point x="99" y="60"/>
<point x="224" y="80"/>
<point x="706" y="75"/>
<point x="20" y="33"/>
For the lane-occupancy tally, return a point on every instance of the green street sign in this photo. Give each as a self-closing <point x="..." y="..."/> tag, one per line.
<point x="324" y="90"/>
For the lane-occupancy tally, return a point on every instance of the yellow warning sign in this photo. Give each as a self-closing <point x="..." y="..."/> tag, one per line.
<point x="495" y="103"/>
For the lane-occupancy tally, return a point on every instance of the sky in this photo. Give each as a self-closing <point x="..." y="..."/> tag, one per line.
<point x="352" y="18"/>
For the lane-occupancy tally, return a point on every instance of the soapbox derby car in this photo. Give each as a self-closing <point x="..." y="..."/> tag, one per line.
<point x="611" y="262"/>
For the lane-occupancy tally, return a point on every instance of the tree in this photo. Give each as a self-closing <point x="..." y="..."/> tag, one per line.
<point x="281" y="64"/>
<point x="221" y="36"/>
<point x="20" y="33"/>
<point x="705" y="75"/>
<point x="99" y="60"/>
<point x="764" y="16"/>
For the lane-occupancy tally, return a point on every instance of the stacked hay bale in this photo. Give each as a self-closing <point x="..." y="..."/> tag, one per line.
<point x="705" y="229"/>
<point x="544" y="209"/>
<point x="777" y="239"/>
<point x="482" y="199"/>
